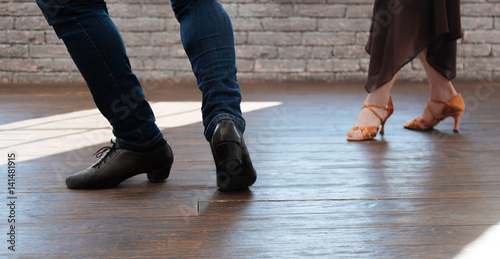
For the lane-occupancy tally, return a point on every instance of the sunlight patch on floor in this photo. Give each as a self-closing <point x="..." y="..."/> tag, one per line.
<point x="485" y="246"/>
<point x="75" y="130"/>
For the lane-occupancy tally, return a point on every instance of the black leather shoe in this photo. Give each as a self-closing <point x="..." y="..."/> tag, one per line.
<point x="232" y="160"/>
<point x="117" y="164"/>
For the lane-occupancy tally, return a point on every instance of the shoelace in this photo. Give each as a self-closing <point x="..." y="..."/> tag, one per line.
<point x="103" y="153"/>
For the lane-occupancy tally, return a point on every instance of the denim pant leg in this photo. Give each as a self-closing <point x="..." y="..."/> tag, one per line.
<point x="207" y="37"/>
<point x="96" y="47"/>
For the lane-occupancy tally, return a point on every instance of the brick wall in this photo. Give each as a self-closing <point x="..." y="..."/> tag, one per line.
<point x="275" y="40"/>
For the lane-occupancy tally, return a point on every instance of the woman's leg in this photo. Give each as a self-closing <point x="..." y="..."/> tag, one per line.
<point x="366" y="117"/>
<point x="441" y="89"/>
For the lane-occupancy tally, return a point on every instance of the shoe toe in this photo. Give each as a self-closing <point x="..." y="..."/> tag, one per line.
<point x="73" y="182"/>
<point x="87" y="180"/>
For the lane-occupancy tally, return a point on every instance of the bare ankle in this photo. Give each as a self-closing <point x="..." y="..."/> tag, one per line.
<point x="442" y="92"/>
<point x="378" y="98"/>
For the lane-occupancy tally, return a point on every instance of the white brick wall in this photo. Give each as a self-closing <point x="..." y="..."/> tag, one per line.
<point x="275" y="40"/>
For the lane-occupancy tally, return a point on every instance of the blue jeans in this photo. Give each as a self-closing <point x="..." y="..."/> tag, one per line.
<point x="96" y="47"/>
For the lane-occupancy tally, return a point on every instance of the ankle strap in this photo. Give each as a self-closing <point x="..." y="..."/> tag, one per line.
<point x="436" y="101"/>
<point x="386" y="107"/>
<point x="429" y="108"/>
<point x="373" y="111"/>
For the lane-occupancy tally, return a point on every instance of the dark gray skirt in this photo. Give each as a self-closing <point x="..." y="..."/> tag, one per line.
<point x="401" y="29"/>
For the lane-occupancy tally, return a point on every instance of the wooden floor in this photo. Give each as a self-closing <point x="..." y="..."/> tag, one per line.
<point x="407" y="194"/>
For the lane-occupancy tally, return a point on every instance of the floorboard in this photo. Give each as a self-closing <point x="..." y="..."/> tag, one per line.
<point x="407" y="194"/>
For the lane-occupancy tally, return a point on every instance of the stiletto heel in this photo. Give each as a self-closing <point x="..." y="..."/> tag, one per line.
<point x="382" y="128"/>
<point x="452" y="108"/>
<point x="370" y="132"/>
<point x="457" y="116"/>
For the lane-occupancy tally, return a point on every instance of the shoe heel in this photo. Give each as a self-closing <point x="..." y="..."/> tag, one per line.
<point x="229" y="157"/>
<point x="159" y="175"/>
<point x="382" y="129"/>
<point x="457" y="116"/>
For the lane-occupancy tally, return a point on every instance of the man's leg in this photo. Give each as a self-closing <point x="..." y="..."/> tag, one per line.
<point x="97" y="49"/>
<point x="207" y="37"/>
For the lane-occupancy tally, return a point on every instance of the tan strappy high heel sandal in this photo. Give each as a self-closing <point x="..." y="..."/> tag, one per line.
<point x="452" y="108"/>
<point x="370" y="132"/>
